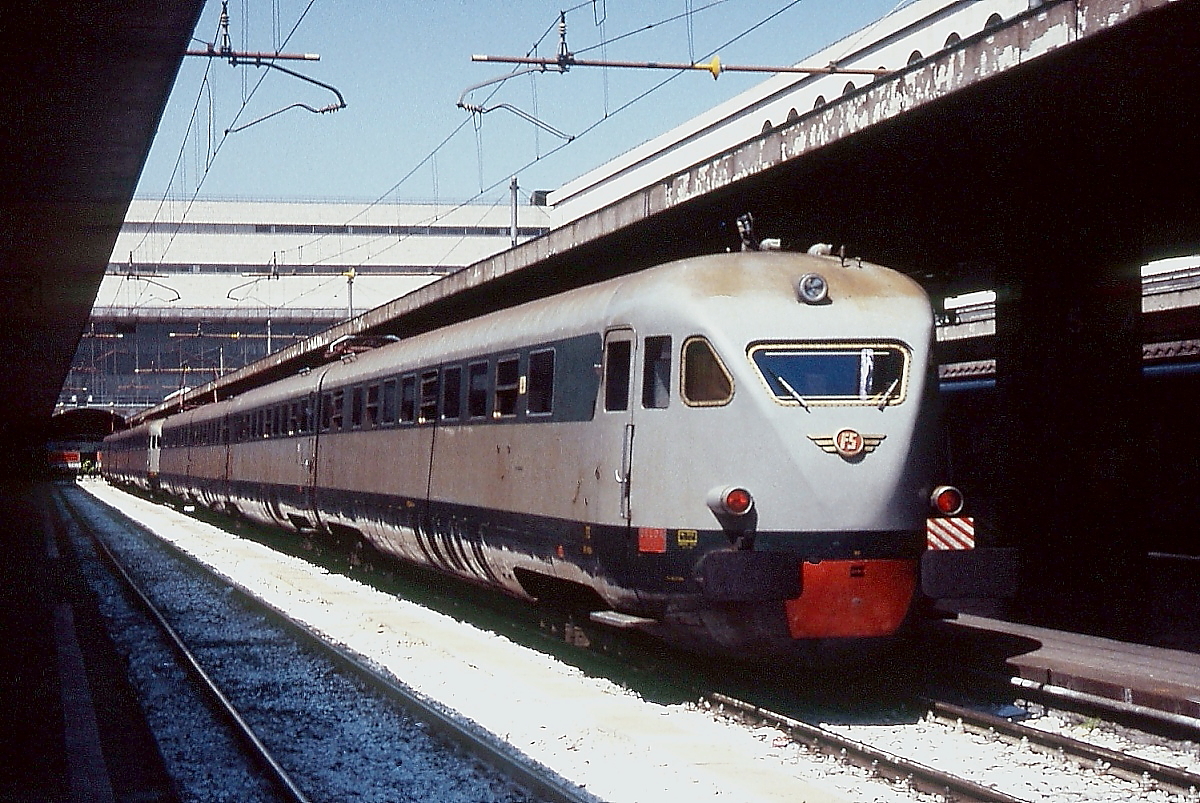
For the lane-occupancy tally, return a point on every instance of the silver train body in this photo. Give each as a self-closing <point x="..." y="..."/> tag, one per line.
<point x="694" y="450"/>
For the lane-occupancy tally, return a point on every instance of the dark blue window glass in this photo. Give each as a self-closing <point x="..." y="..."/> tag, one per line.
<point x="872" y="374"/>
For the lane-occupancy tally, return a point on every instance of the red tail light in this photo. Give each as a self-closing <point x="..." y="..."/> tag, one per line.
<point x="946" y="500"/>
<point x="732" y="501"/>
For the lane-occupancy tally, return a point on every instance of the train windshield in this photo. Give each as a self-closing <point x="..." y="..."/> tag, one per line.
<point x="824" y="373"/>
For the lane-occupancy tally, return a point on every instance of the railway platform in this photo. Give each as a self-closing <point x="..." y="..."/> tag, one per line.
<point x="1139" y="679"/>
<point x="73" y="729"/>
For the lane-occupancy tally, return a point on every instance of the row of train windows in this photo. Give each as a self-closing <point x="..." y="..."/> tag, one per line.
<point x="477" y="391"/>
<point x="436" y="393"/>
<point x="496" y="392"/>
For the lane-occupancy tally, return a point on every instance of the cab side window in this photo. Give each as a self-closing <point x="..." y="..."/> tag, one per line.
<point x="656" y="372"/>
<point x="706" y="382"/>
<point x="617" y="354"/>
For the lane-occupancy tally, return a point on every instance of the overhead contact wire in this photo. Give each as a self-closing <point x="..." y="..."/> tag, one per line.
<point x="213" y="156"/>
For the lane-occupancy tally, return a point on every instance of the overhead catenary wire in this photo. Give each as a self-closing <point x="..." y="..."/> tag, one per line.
<point x="430" y="158"/>
<point x="564" y="60"/>
<point x="539" y="157"/>
<point x="212" y="157"/>
<point x="713" y="66"/>
<point x="244" y="58"/>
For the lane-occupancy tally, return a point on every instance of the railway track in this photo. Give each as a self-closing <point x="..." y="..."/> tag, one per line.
<point x="1144" y="775"/>
<point x="243" y="657"/>
<point x="1089" y="755"/>
<point x="880" y="763"/>
<point x="914" y="776"/>
<point x="285" y="786"/>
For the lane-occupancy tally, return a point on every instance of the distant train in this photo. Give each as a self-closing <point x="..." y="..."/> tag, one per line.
<point x="734" y="453"/>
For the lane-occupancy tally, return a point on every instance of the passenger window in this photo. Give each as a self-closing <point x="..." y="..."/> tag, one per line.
<point x="508" y="378"/>
<point x="408" y="399"/>
<point x="616" y="375"/>
<point x="339" y="404"/>
<point x="477" y="389"/>
<point x="705" y="380"/>
<point x="541" y="382"/>
<point x="293" y="418"/>
<point x="356" y="407"/>
<point x="429" y="396"/>
<point x="391" y="399"/>
<point x="372" y="411"/>
<point x="326" y="411"/>
<point x="452" y="393"/>
<point x="306" y="422"/>
<point x="656" y="372"/>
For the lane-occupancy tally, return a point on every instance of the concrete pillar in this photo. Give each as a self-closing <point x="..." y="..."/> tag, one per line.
<point x="1069" y="399"/>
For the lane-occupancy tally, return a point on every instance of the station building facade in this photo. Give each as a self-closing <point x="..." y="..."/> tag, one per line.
<point x="196" y="290"/>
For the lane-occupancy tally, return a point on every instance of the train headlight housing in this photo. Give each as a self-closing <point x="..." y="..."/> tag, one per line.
<point x="730" y="501"/>
<point x="946" y="500"/>
<point x="812" y="288"/>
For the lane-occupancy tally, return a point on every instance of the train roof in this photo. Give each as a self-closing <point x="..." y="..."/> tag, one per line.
<point x="693" y="288"/>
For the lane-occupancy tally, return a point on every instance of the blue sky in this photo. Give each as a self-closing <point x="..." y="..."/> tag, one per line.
<point x="402" y="65"/>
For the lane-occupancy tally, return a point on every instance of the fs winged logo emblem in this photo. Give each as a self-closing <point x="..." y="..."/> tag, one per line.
<point x="848" y="443"/>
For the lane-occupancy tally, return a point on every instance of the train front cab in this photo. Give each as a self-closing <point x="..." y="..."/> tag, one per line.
<point x="758" y="518"/>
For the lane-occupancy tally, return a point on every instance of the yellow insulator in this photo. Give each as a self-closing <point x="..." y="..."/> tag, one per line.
<point x="713" y="67"/>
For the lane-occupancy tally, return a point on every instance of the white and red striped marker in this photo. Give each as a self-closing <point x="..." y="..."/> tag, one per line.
<point x="953" y="532"/>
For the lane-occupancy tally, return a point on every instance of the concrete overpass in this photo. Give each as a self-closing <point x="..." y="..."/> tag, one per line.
<point x="1047" y="157"/>
<point x="83" y="86"/>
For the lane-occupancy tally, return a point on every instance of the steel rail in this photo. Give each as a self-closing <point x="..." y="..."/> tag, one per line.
<point x="879" y="762"/>
<point x="1167" y="724"/>
<point x="1120" y="763"/>
<point x="503" y="757"/>
<point x="203" y="680"/>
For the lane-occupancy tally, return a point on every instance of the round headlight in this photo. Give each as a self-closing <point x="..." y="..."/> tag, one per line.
<point x="813" y="288"/>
